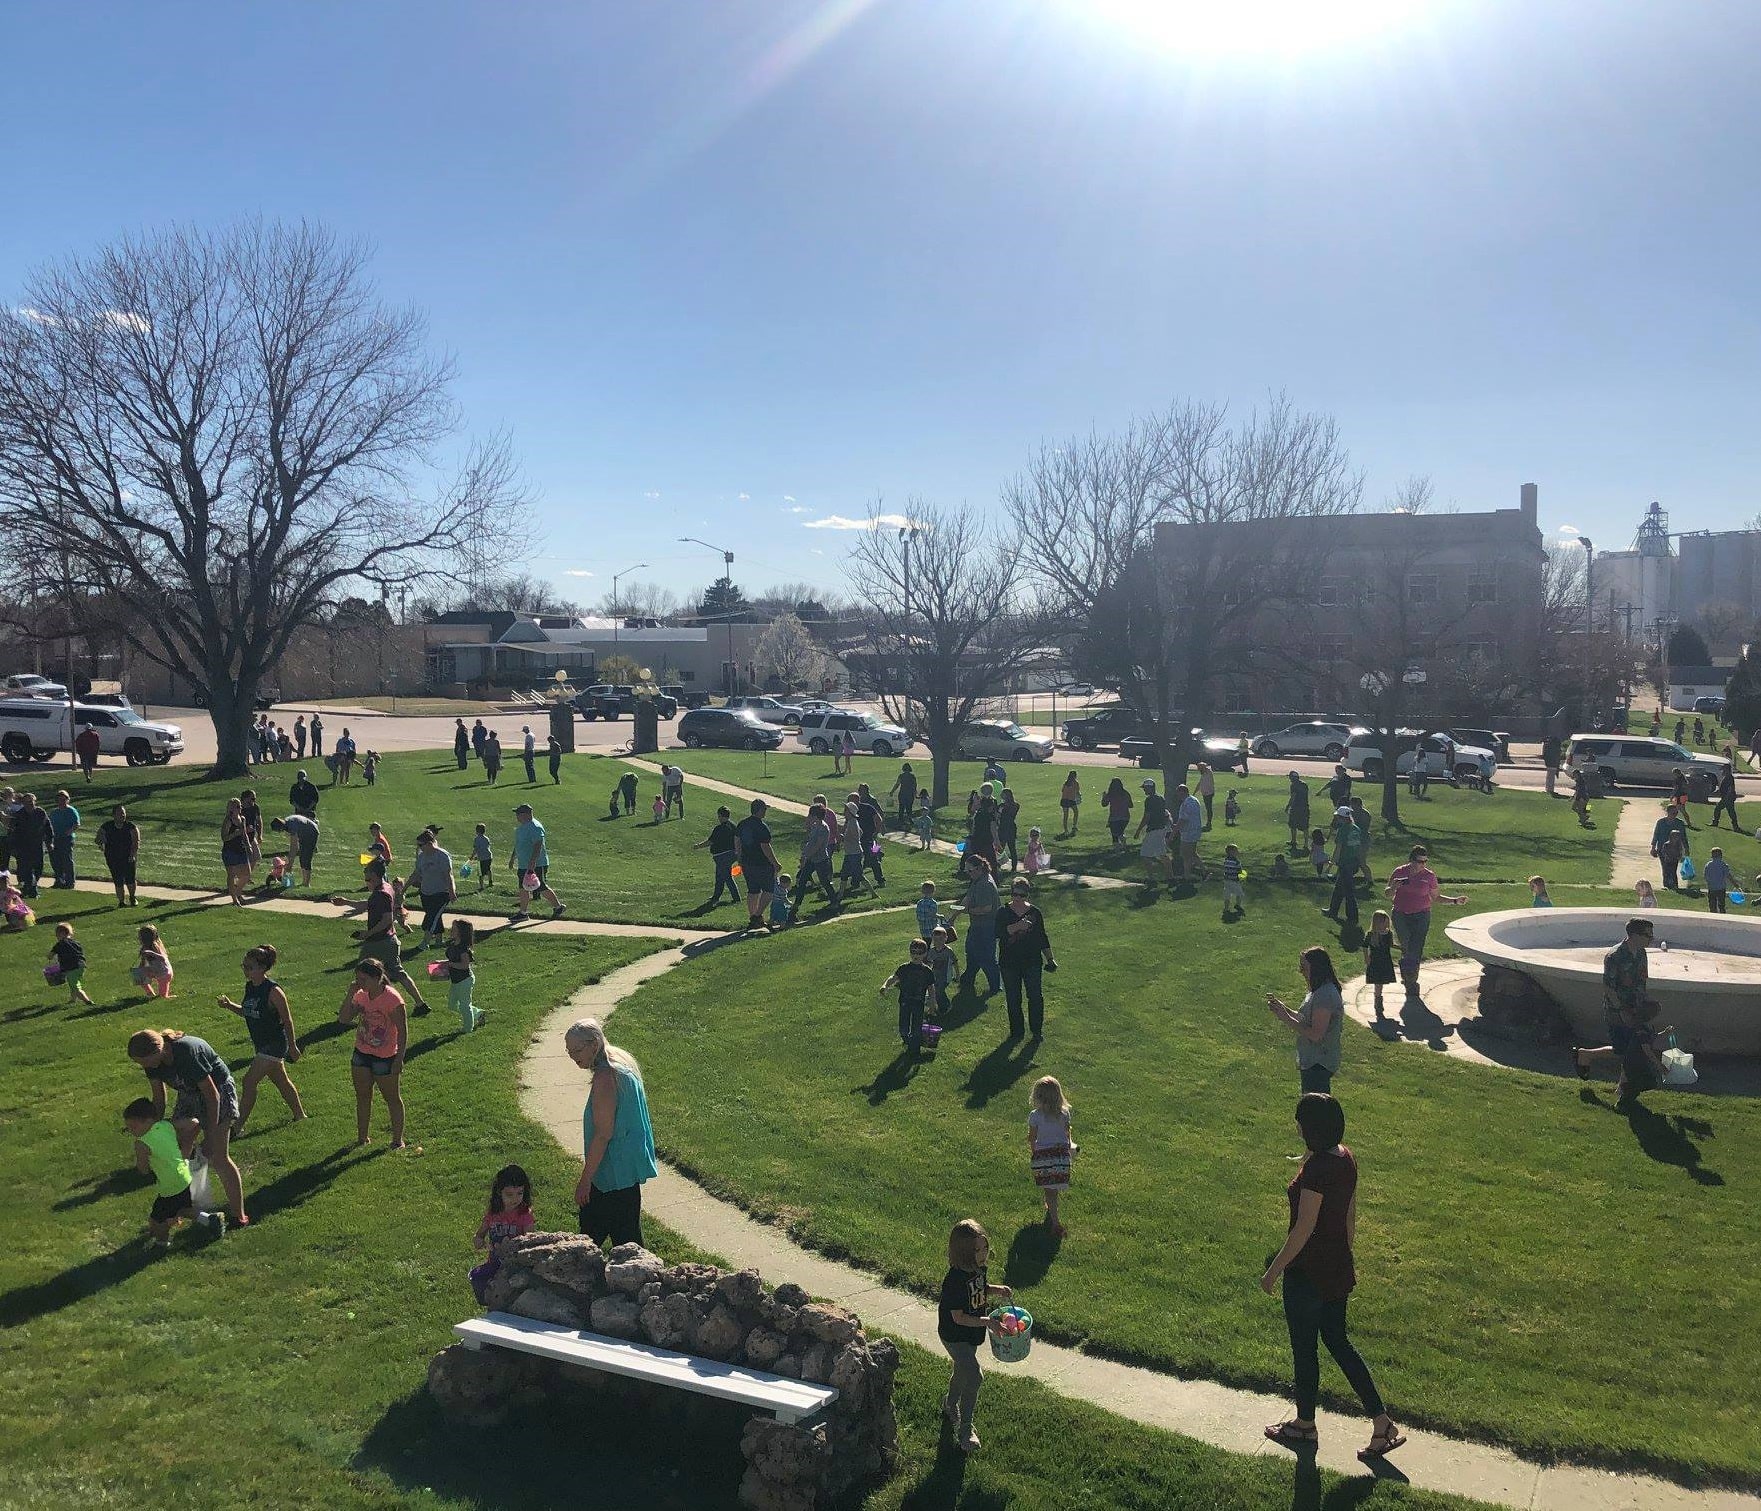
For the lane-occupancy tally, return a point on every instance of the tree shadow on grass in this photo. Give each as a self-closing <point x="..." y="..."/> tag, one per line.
<point x="999" y="1070"/>
<point x="1666" y="1139"/>
<point x="631" y="1444"/>
<point x="1031" y="1253"/>
<point x="100" y="1187"/>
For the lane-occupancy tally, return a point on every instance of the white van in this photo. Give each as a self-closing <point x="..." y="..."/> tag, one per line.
<point x="36" y="729"/>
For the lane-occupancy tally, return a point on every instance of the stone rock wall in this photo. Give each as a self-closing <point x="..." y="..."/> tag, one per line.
<point x="714" y="1314"/>
<point x="1517" y="1007"/>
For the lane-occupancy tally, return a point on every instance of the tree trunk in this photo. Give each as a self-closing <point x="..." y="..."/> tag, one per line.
<point x="940" y="759"/>
<point x="1391" y="761"/>
<point x="231" y="710"/>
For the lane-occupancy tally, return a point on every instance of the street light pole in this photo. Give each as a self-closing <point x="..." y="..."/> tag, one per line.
<point x="1589" y="583"/>
<point x="728" y="565"/>
<point x="616" y="611"/>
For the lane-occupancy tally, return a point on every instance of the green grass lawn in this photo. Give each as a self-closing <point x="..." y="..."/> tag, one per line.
<point x="284" y="1366"/>
<point x="1535" y="1267"/>
<point x="625" y="870"/>
<point x="1508" y="835"/>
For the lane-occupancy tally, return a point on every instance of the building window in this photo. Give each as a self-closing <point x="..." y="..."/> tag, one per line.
<point x="1332" y="647"/>
<point x="1421" y="587"/>
<point x="1330" y="593"/>
<point x="1482" y="586"/>
<point x="1486" y="650"/>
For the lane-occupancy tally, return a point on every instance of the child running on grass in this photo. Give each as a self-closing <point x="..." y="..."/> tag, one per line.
<point x="484" y="854"/>
<point x="1049" y="1147"/>
<point x="1379" y="954"/>
<point x="461" y="973"/>
<point x="1538" y="897"/>
<point x="658" y="808"/>
<point x="962" y="1319"/>
<point x="928" y="912"/>
<point x="1318" y="851"/>
<point x="69" y="956"/>
<point x="1038" y="857"/>
<point x="274" y="1045"/>
<point x="157" y="1150"/>
<point x="915" y="981"/>
<point x="509" y="1215"/>
<point x="154" y="969"/>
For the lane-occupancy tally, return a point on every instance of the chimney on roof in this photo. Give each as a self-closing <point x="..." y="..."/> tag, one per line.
<point x="1532" y="504"/>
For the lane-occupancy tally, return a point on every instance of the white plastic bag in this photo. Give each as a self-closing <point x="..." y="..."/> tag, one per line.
<point x="1678" y="1068"/>
<point x="201" y="1184"/>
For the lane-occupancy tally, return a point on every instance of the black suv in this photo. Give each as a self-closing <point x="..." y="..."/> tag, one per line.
<point x="1105" y="726"/>
<point x="611" y="701"/>
<point x="727" y="728"/>
<point x="685" y="697"/>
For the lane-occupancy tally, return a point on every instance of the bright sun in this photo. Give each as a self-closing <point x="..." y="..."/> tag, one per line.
<point x="1212" y="28"/>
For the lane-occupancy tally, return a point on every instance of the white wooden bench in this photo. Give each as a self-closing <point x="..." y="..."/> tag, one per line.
<point x="787" y="1400"/>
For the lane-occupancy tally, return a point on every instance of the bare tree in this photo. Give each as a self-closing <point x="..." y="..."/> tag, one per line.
<point x="787" y="651"/>
<point x="1172" y="553"/>
<point x="639" y="600"/>
<point x="947" y="622"/>
<point x="224" y="433"/>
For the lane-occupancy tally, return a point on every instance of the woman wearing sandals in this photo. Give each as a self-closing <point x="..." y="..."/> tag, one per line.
<point x="1315" y="1266"/>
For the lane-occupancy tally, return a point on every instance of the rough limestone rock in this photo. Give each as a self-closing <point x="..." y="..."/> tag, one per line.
<point x="615" y="1316"/>
<point x="481" y="1387"/>
<point x="630" y="1275"/>
<point x="545" y="1305"/>
<point x="719" y="1335"/>
<point x="764" y="1348"/>
<point x="1516" y="1007"/>
<point x="565" y="1279"/>
<point x="829" y="1324"/>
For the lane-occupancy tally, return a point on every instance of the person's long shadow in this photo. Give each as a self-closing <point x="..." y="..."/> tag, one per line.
<point x="699" y="947"/>
<point x="999" y="1070"/>
<point x="104" y="1009"/>
<point x="100" y="1187"/>
<point x="21" y="1014"/>
<point x="319" y="1032"/>
<point x="943" y="1487"/>
<point x="895" y="1075"/>
<point x="1668" y="1140"/>
<point x="297" y="1187"/>
<point x="1308" y="1493"/>
<point x="26" y="1303"/>
<point x="1031" y="1253"/>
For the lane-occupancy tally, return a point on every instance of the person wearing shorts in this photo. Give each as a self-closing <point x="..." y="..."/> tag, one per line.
<point x="382" y="1034"/>
<point x="206" y="1105"/>
<point x="759" y="862"/>
<point x="303" y="831"/>
<point x="380" y="940"/>
<point x="530" y="858"/>
<point x="1152" y="826"/>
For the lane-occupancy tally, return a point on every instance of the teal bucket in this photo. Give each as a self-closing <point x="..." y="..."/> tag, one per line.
<point x="1013" y="1347"/>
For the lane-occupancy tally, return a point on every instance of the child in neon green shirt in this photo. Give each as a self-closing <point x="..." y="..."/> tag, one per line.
<point x="157" y="1150"/>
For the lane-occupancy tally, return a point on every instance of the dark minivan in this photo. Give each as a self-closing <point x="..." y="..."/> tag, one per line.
<point x="726" y="728"/>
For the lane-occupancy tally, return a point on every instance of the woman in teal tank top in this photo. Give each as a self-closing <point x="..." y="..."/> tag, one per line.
<point x="617" y="1138"/>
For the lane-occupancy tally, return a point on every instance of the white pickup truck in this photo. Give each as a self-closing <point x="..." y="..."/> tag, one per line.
<point x="37" y="729"/>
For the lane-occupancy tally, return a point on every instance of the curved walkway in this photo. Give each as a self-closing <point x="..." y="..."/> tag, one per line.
<point x="551" y="1093"/>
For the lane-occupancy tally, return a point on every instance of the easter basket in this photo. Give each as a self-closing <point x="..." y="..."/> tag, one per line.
<point x="1012" y="1343"/>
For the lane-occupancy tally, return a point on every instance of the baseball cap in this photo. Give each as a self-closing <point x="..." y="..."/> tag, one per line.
<point x="522" y="808"/>
<point x="1149" y="784"/>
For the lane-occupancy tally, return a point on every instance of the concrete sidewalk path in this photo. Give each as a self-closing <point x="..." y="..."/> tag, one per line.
<point x="553" y="1089"/>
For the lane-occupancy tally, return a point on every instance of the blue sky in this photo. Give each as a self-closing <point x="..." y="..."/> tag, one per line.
<point x="725" y="267"/>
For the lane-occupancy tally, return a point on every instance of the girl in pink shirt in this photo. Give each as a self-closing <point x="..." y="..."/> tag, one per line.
<point x="382" y="1034"/>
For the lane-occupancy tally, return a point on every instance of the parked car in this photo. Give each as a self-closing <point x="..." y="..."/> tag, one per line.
<point x="30" y="685"/>
<point x="267" y="697"/>
<point x="1218" y="752"/>
<point x="1637" y="760"/>
<point x="685" y="697"/>
<point x="989" y="739"/>
<point x="1105" y="726"/>
<point x="771" y="710"/>
<point x="816" y="706"/>
<point x="1308" y="737"/>
<point x="611" y="700"/>
<point x="39" y="729"/>
<point x="1495" y="740"/>
<point x="1712" y="703"/>
<point x="107" y="700"/>
<point x="820" y="731"/>
<point x="726" y="729"/>
<point x="1443" y="757"/>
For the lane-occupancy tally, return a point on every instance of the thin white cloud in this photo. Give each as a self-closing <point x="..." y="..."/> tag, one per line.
<point x="36" y="316"/>
<point x="796" y="509"/>
<point x="126" y="320"/>
<point x="877" y="522"/>
<point x="577" y="572"/>
<point x="745" y="498"/>
<point x="1569" y="530"/>
<point x="651" y="495"/>
<point x="788" y="498"/>
<point x="815" y="551"/>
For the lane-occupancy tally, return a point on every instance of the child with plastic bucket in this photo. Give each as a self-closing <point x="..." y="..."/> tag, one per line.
<point x="963" y="1321"/>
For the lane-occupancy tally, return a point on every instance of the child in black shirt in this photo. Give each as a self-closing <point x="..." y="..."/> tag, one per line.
<point x="915" y="981"/>
<point x="962" y="1320"/>
<point x="69" y="956"/>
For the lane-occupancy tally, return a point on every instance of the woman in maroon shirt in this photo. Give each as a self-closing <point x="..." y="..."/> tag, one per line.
<point x="1315" y="1264"/>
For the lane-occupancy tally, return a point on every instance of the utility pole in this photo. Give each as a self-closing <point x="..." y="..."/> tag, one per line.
<point x="617" y="613"/>
<point x="1629" y="609"/>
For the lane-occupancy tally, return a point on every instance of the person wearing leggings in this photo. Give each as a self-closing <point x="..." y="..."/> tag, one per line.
<point x="1315" y="1267"/>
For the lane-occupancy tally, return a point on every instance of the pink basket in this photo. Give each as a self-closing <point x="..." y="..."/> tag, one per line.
<point x="437" y="968"/>
<point x="52" y="974"/>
